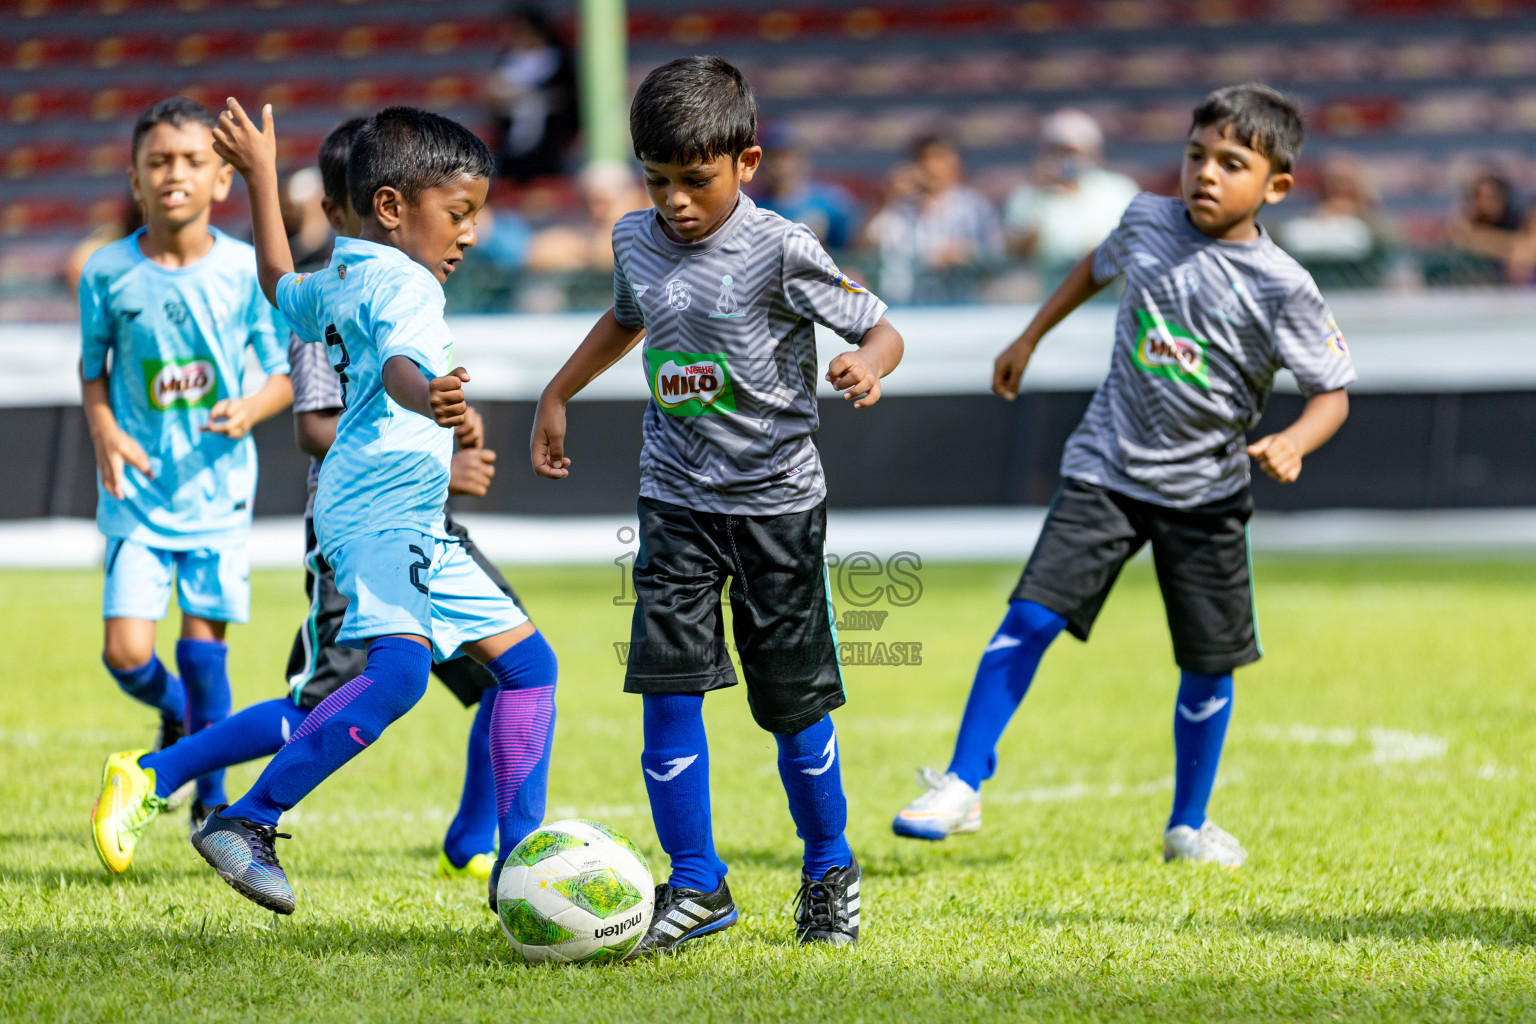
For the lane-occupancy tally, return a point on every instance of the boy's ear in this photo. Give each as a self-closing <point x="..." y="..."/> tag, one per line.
<point x="221" y="183"/>
<point x="388" y="204"/>
<point x="748" y="162"/>
<point x="334" y="215"/>
<point x="1278" y="188"/>
<point x="133" y="184"/>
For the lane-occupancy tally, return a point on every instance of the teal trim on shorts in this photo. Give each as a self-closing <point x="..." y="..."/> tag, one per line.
<point x="299" y="680"/>
<point x="837" y="651"/>
<point x="1253" y="591"/>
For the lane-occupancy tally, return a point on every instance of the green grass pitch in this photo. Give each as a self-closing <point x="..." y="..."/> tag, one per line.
<point x="1379" y="770"/>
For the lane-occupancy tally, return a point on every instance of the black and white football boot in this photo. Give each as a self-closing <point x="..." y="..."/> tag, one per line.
<point x="494" y="880"/>
<point x="684" y="914"/>
<point x="827" y="908"/>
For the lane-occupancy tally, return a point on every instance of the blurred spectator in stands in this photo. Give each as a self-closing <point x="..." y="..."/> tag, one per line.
<point x="1342" y="241"/>
<point x="608" y="190"/>
<point x="532" y="94"/>
<point x="1491" y="238"/>
<point x="129" y="220"/>
<point x="1073" y="203"/>
<point x="787" y="187"/>
<point x="487" y="281"/>
<point x="935" y="235"/>
<point x="309" y="232"/>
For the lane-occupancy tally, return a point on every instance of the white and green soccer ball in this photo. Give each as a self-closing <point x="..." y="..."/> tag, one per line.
<point x="575" y="891"/>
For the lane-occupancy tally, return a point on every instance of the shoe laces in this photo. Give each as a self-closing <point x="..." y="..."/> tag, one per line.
<point x="936" y="784"/>
<point x="265" y="845"/>
<point x="817" y="904"/>
<point x="144" y="812"/>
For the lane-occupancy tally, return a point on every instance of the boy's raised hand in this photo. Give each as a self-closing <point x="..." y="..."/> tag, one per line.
<point x="244" y="146"/>
<point x="1278" y="456"/>
<point x="445" y="397"/>
<point x="114" y="449"/>
<point x="852" y="373"/>
<point x="548" y="441"/>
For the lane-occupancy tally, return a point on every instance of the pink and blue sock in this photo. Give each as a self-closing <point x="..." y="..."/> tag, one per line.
<point x="1199" y="729"/>
<point x="473" y="829"/>
<point x="676" y="765"/>
<point x="339" y="728"/>
<point x="257" y="731"/>
<point x="521" y="730"/>
<point x="812" y="775"/>
<point x="205" y="675"/>
<point x="1002" y="679"/>
<point x="152" y="684"/>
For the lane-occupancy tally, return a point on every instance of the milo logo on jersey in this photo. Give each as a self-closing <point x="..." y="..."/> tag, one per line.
<point x="181" y="383"/>
<point x="1168" y="350"/>
<point x="690" y="383"/>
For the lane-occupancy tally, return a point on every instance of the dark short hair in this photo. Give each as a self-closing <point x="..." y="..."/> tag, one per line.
<point x="411" y="150"/>
<point x="933" y="140"/>
<point x="1263" y="119"/>
<point x="333" y="159"/>
<point x="693" y="109"/>
<point x="176" y="111"/>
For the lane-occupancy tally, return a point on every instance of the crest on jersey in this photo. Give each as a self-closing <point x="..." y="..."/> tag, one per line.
<point x="678" y="295"/>
<point x="1167" y="350"/>
<point x="839" y="278"/>
<point x="726" y="306"/>
<point x="1335" y="339"/>
<point x="176" y="312"/>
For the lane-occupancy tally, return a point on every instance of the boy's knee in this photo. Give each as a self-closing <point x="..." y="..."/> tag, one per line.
<point x="124" y="654"/>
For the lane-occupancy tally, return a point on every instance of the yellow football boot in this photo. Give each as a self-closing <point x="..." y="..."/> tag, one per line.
<point x="478" y="868"/>
<point x="124" y="810"/>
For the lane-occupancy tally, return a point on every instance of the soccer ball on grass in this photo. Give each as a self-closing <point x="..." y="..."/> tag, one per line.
<point x="575" y="891"/>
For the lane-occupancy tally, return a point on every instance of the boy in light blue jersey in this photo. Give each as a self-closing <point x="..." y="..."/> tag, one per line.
<point x="166" y="317"/>
<point x="413" y="593"/>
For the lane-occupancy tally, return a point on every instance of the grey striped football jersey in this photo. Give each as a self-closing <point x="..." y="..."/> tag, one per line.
<point x="315" y="387"/>
<point x="730" y="357"/>
<point x="1203" y="327"/>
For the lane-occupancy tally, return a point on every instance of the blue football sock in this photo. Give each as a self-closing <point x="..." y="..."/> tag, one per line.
<point x="257" y="731"/>
<point x="473" y="829"/>
<point x="813" y="781"/>
<point x="1007" y="668"/>
<point x="153" y="685"/>
<point x="339" y="728"/>
<point x="522" y="728"/>
<point x="206" y="677"/>
<point x="676" y="764"/>
<point x="1199" y="729"/>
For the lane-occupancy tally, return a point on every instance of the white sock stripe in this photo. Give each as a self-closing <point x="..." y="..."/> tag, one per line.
<point x="670" y="929"/>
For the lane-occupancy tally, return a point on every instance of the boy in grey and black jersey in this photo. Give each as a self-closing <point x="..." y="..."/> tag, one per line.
<point x="726" y="296"/>
<point x="1212" y="310"/>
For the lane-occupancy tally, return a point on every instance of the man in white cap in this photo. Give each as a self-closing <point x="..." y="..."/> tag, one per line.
<point x="1074" y="203"/>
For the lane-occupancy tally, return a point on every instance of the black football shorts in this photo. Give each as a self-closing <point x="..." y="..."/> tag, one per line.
<point x="780" y="608"/>
<point x="1201" y="557"/>
<point x="318" y="665"/>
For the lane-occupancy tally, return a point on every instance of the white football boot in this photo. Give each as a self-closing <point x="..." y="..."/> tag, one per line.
<point x="949" y="807"/>
<point x="1208" y="844"/>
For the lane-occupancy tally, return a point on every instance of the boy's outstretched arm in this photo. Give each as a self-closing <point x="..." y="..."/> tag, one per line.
<point x="1077" y="288"/>
<point x="234" y="417"/>
<point x="1280" y="454"/>
<point x="603" y="346"/>
<point x="440" y="399"/>
<point x="253" y="152"/>
<point x="112" y="445"/>
<point x="857" y="374"/>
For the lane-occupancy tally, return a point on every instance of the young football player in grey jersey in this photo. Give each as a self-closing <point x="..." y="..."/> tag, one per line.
<point x="1212" y="309"/>
<point x="726" y="296"/>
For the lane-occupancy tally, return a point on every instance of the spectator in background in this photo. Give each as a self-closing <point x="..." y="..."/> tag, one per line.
<point x="1341" y="241"/>
<point x="532" y="95"/>
<point x="309" y="231"/>
<point x="1073" y="203"/>
<point x="1492" y="237"/>
<point x="609" y="190"/>
<point x="787" y="187"/>
<point x="129" y="219"/>
<point x="935" y="235"/>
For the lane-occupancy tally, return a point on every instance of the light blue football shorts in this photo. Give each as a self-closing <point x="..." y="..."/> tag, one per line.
<point x="406" y="581"/>
<point x="211" y="583"/>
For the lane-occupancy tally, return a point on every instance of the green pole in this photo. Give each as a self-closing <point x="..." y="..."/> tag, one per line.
<point x="604" y="80"/>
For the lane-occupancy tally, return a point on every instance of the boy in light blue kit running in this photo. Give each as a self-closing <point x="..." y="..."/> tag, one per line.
<point x="413" y="593"/>
<point x="166" y="316"/>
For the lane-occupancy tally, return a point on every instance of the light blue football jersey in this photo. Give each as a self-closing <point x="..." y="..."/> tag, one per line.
<point x="177" y="339"/>
<point x="388" y="468"/>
